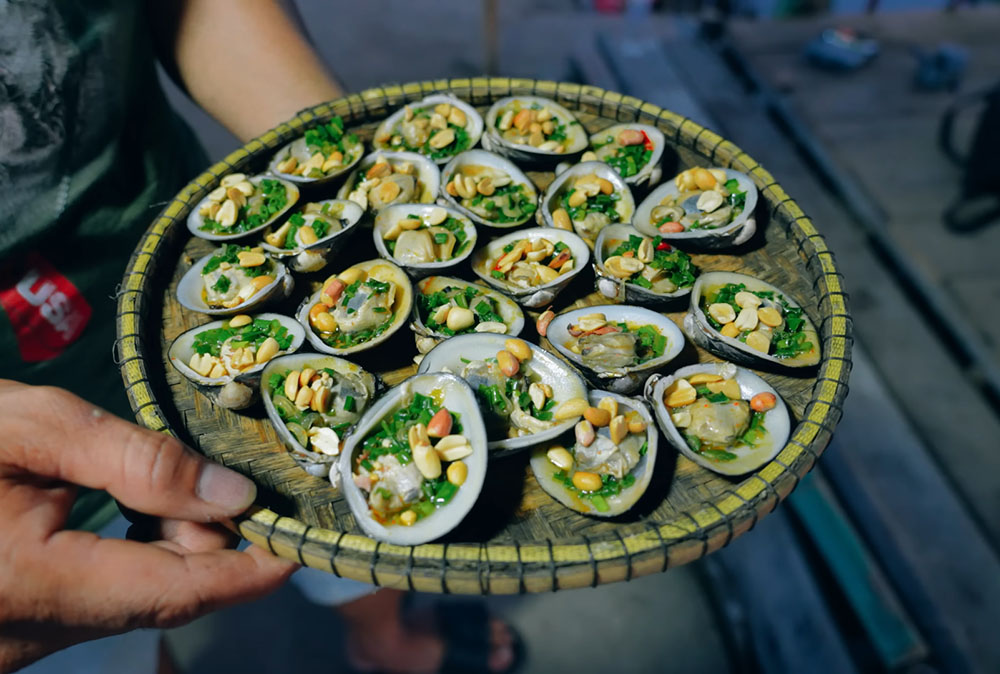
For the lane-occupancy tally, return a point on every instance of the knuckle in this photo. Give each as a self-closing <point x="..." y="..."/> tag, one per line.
<point x="155" y="461"/>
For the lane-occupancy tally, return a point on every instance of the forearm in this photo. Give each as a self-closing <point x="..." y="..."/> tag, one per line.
<point x="241" y="60"/>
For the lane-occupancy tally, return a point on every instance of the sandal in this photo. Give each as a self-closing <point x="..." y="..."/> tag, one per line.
<point x="465" y="628"/>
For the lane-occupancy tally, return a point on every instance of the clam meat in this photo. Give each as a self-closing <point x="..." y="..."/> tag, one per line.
<point x="764" y="321"/>
<point x="360" y="305"/>
<point x="241" y="205"/>
<point x="605" y="345"/>
<point x="728" y="419"/>
<point x="491" y="193"/>
<point x="609" y="465"/>
<point x="238" y="345"/>
<point x="325" y="151"/>
<point x="650" y="263"/>
<point x="584" y="200"/>
<point x="460" y="309"/>
<point x="537" y="125"/>
<point x="632" y="150"/>
<point x="416" y="463"/>
<point x="421" y="235"/>
<point x="527" y="263"/>
<point x="235" y="274"/>
<point x="386" y="178"/>
<point x="705" y="199"/>
<point x="438" y="127"/>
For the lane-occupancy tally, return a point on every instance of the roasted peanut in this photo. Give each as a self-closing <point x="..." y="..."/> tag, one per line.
<point x="303" y="398"/>
<point x="732" y="389"/>
<point x="597" y="416"/>
<point x="560" y="457"/>
<point x="762" y="402"/>
<point x="585" y="481"/>
<point x="306" y="376"/>
<point x="453" y="447"/>
<point x="460" y="318"/>
<point x="509" y="365"/>
<point x="577" y="198"/>
<point x="408" y="518"/>
<point x="417" y="435"/>
<point x="560" y="218"/>
<point x="679" y="394"/>
<point x="427" y="460"/>
<point x="262" y="281"/>
<point x="670" y="228"/>
<point x="769" y="316"/>
<point x="618" y="429"/>
<point x="325" y="322"/>
<point x="542" y="324"/>
<point x="442" y="138"/>
<point x="568" y="409"/>
<point x="584" y="433"/>
<point x="458" y="472"/>
<point x="730" y="330"/>
<point x="519" y="348"/>
<point x="636" y="426"/>
<point x="759" y="341"/>
<point x="609" y="404"/>
<point x="321" y="400"/>
<point x="745" y="299"/>
<point x="440" y="424"/>
<point x="239" y="321"/>
<point x="268" y="350"/>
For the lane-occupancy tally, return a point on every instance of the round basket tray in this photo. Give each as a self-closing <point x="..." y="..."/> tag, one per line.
<point x="517" y="538"/>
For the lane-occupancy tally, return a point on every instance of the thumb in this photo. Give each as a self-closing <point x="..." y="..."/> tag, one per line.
<point x="53" y="433"/>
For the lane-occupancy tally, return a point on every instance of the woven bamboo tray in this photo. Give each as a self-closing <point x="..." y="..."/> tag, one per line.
<point x="517" y="539"/>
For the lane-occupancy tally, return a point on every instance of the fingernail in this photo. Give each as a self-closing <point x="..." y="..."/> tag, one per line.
<point x="225" y="488"/>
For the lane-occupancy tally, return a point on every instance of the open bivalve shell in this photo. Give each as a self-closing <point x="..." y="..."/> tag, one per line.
<point x="693" y="207"/>
<point x="408" y="480"/>
<point x="615" y="281"/>
<point x="439" y="127"/>
<point x="754" y="326"/>
<point x="604" y="199"/>
<point x="424" y="239"/>
<point x="357" y="309"/>
<point x="475" y="358"/>
<point x="509" y="130"/>
<point x="311" y="166"/>
<point x="386" y="178"/>
<point x="313" y="424"/>
<point x="718" y="422"/>
<point x="613" y="146"/>
<point x="489" y="189"/>
<point x="476" y="320"/>
<point x="309" y="253"/>
<point x="630" y="460"/>
<point x="521" y="279"/>
<point x="609" y="359"/>
<point x="237" y="197"/>
<point x="197" y="291"/>
<point x="236" y="371"/>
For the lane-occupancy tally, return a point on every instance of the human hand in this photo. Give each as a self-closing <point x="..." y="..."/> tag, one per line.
<point x="57" y="587"/>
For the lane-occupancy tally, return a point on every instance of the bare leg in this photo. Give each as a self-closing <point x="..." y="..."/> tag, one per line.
<point x="378" y="640"/>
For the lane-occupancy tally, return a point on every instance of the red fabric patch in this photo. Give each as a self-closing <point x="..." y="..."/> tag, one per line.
<point x="47" y="311"/>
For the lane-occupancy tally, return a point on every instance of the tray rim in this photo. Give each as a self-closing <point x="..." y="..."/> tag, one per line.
<point x="514" y="567"/>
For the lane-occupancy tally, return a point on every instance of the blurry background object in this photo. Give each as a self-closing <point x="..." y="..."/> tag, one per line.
<point x="841" y="49"/>
<point x="941" y="68"/>
<point x="978" y="203"/>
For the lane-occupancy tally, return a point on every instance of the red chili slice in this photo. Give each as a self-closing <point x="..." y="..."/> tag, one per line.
<point x="663" y="246"/>
<point x="646" y="142"/>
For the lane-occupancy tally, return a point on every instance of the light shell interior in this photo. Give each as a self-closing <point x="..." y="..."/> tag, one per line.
<point x="450" y="356"/>
<point x="452" y="393"/>
<point x="195" y="220"/>
<point x="777" y="420"/>
<point x="544" y="470"/>
<point x="190" y="290"/>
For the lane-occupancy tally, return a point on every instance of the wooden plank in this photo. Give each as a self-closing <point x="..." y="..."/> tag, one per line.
<point x="789" y="625"/>
<point x="889" y="627"/>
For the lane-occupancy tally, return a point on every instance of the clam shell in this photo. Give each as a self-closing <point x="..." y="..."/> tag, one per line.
<point x="454" y="394"/>
<point x="550" y="201"/>
<point x="313" y="463"/>
<point x="428" y="175"/>
<point x="473" y="124"/>
<point x="506" y="307"/>
<point x="403" y="302"/>
<point x="701" y="332"/>
<point x="182" y="349"/>
<point x="614" y="288"/>
<point x="624" y="380"/>
<point x="537" y="296"/>
<point x="484" y="158"/>
<point x="189" y="290"/>
<point x="649" y="174"/>
<point x="300" y="151"/>
<point x="738" y="232"/>
<point x="389" y="216"/>
<point x="494" y="141"/>
<point x="194" y="220"/>
<point x="545" y="471"/>
<point x="313" y="257"/>
<point x="776" y="421"/>
<point x="565" y="382"/>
